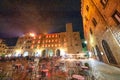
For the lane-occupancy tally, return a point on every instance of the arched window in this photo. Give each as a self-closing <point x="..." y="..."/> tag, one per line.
<point x="108" y="52"/>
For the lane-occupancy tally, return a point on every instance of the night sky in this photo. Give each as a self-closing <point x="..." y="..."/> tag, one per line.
<point x="39" y="16"/>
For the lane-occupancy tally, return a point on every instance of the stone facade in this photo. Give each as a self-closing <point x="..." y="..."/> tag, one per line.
<point x="55" y="44"/>
<point x="101" y="22"/>
<point x="3" y="47"/>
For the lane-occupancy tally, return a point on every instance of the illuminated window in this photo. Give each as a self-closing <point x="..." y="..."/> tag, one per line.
<point x="52" y="45"/>
<point x="52" y="40"/>
<point x="34" y="37"/>
<point x="56" y="40"/>
<point x="103" y="2"/>
<point x="64" y="40"/>
<point x="49" y="41"/>
<point x="33" y="42"/>
<point x="56" y="35"/>
<point x="55" y="45"/>
<point x="49" y="36"/>
<point x="38" y="46"/>
<point x="65" y="44"/>
<point x="48" y="45"/>
<point x="42" y="45"/>
<point x="39" y="37"/>
<point x="116" y="17"/>
<point x="53" y="35"/>
<point x="32" y="47"/>
<point x="46" y="36"/>
<point x="38" y="41"/>
<point x="59" y="45"/>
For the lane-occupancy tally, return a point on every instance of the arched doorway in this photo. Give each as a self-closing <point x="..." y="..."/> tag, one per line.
<point x="108" y="52"/>
<point x="98" y="53"/>
<point x="25" y="54"/>
<point x="50" y="52"/>
<point x="57" y="52"/>
<point x="43" y="53"/>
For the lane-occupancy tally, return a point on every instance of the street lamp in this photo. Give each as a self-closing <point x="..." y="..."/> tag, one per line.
<point x="85" y="42"/>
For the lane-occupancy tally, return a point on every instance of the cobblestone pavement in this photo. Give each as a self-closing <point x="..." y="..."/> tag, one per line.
<point x="102" y="71"/>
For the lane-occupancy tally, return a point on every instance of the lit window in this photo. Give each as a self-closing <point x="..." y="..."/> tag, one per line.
<point x="53" y="35"/>
<point x="65" y="44"/>
<point x="32" y="47"/>
<point x="116" y="17"/>
<point x="64" y="40"/>
<point x="48" y="45"/>
<point x="34" y="37"/>
<point x="52" y="40"/>
<point x="52" y="45"/>
<point x="46" y="36"/>
<point x="56" y="40"/>
<point x="38" y="46"/>
<point x="56" y="35"/>
<point x="49" y="41"/>
<point x="59" y="45"/>
<point x="39" y="37"/>
<point x="45" y="45"/>
<point x="49" y="36"/>
<point x="33" y="42"/>
<point x="55" y="45"/>
<point x="39" y="41"/>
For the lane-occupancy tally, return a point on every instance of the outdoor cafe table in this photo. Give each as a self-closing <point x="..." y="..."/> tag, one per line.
<point x="18" y="65"/>
<point x="84" y="67"/>
<point x="79" y="77"/>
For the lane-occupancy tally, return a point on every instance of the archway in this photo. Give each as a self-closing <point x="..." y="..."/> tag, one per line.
<point x="57" y="52"/>
<point x="43" y="53"/>
<point x="108" y="52"/>
<point x="50" y="52"/>
<point x="99" y="53"/>
<point x="25" y="54"/>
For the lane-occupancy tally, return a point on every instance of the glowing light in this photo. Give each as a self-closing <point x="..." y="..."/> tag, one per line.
<point x="53" y="35"/>
<point x="25" y="54"/>
<point x="32" y="34"/>
<point x="39" y="41"/>
<point x="85" y="42"/>
<point x="39" y="37"/>
<point x="52" y="45"/>
<point x="62" y="52"/>
<point x="91" y="40"/>
<point x="18" y="51"/>
<point x="101" y="53"/>
<point x="49" y="36"/>
<point x="33" y="42"/>
<point x="90" y="54"/>
<point x="38" y="52"/>
<point x="52" y="40"/>
<point x="46" y="36"/>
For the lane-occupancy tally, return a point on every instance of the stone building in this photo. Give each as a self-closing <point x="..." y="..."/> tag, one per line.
<point x="101" y="22"/>
<point x="3" y="48"/>
<point x="45" y="45"/>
